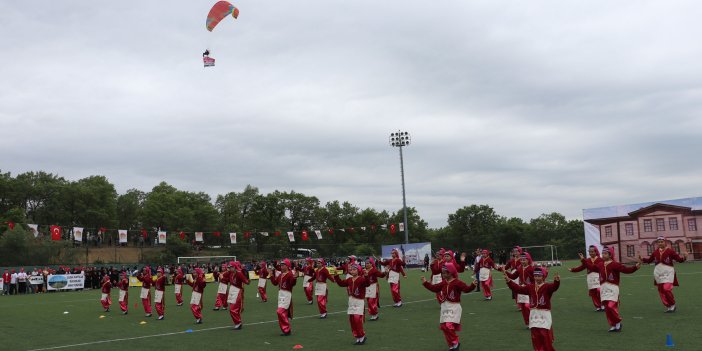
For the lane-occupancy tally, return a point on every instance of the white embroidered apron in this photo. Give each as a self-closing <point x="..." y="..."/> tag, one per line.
<point x="122" y="294"/>
<point x="320" y="289"/>
<point x="540" y="319"/>
<point x="233" y="294"/>
<point x="104" y="297"/>
<point x="305" y="283"/>
<point x="144" y="293"/>
<point x="261" y="282"/>
<point x="450" y="312"/>
<point x="436" y="279"/>
<point x="522" y="298"/>
<point x="195" y="299"/>
<point x="664" y="273"/>
<point x="372" y="291"/>
<point x="222" y="288"/>
<point x="356" y="306"/>
<point x="484" y="274"/>
<point x="609" y="292"/>
<point x="593" y="280"/>
<point x="158" y="296"/>
<point x="178" y="288"/>
<point x="393" y="277"/>
<point x="284" y="299"/>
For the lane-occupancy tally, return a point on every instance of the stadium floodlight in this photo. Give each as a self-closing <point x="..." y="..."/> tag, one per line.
<point x="399" y="139"/>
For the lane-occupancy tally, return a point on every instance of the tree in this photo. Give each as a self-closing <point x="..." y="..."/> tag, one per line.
<point x="473" y="226"/>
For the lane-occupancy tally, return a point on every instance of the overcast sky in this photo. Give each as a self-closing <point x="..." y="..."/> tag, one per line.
<point x="528" y="106"/>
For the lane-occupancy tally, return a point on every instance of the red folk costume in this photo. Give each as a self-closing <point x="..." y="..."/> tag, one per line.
<point x="486" y="265"/>
<point x="198" y="285"/>
<point x="308" y="277"/>
<point x="522" y="276"/>
<point x="593" y="277"/>
<point x="263" y="276"/>
<point x="285" y="282"/>
<point x="105" y="298"/>
<point x="450" y="299"/>
<point x="159" y="294"/>
<point x="222" y="288"/>
<point x="356" y="289"/>
<point x="146" y="282"/>
<point x="373" y="292"/>
<point x="396" y="267"/>
<point x="123" y="293"/>
<point x="664" y="276"/>
<point x="178" y="282"/>
<point x="236" y="292"/>
<point x="609" y="272"/>
<point x="320" y="287"/>
<point x="540" y="321"/>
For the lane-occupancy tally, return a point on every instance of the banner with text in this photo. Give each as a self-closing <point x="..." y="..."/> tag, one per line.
<point x="65" y="281"/>
<point x="414" y="253"/>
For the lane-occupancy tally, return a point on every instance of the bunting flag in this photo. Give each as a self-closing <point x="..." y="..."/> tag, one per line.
<point x="122" y="236"/>
<point x="55" y="232"/>
<point x="331" y="231"/>
<point x="247" y="235"/>
<point x="11" y="225"/>
<point x="342" y="230"/>
<point x="77" y="233"/>
<point x="392" y="229"/>
<point x="182" y="235"/>
<point x="291" y="237"/>
<point x="277" y="233"/>
<point x="232" y="237"/>
<point x="384" y="226"/>
<point x="161" y="237"/>
<point x="102" y="230"/>
<point x="217" y="234"/>
<point x="402" y="227"/>
<point x="198" y="236"/>
<point x="264" y="233"/>
<point x="363" y="229"/>
<point x="144" y="233"/>
<point x="305" y="237"/>
<point x="350" y="230"/>
<point x="34" y="228"/>
<point x="318" y="233"/>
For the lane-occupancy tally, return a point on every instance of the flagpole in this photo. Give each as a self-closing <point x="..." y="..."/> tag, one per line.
<point x="400" y="139"/>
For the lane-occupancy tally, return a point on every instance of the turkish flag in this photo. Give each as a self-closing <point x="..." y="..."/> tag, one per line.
<point x="11" y="225"/>
<point x="392" y="228"/>
<point x="247" y="235"/>
<point x="55" y="232"/>
<point x="217" y="234"/>
<point x="277" y="233"/>
<point x="102" y="230"/>
<point x="182" y="236"/>
<point x="144" y="233"/>
<point x="350" y="230"/>
<point x="331" y="231"/>
<point x="305" y="237"/>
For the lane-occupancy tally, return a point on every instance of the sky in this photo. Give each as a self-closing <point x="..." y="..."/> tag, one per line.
<point x="530" y="107"/>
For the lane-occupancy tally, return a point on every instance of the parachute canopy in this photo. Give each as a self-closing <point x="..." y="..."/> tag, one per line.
<point x="220" y="10"/>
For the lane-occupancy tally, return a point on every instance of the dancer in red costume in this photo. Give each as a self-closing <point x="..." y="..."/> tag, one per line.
<point x="664" y="276"/>
<point x="320" y="287"/>
<point x="178" y="282"/>
<point x="124" y="293"/>
<point x="105" y="298"/>
<point x="356" y="289"/>
<point x="159" y="294"/>
<point x="198" y="284"/>
<point x="486" y="265"/>
<point x="395" y="267"/>
<point x="222" y="288"/>
<point x="372" y="291"/>
<point x="285" y="282"/>
<point x="522" y="276"/>
<point x="593" y="277"/>
<point x="146" y="282"/>
<point x="236" y="292"/>
<point x="308" y="277"/>
<point x="263" y="276"/>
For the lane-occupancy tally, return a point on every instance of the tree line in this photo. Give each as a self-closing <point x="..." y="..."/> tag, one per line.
<point x="92" y="203"/>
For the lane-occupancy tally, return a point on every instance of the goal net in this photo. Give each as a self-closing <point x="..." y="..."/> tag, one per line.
<point x="544" y="255"/>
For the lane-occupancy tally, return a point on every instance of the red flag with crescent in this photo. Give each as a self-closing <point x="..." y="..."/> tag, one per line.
<point x="55" y="232"/>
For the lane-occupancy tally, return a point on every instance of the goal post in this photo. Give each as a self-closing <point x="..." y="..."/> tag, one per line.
<point x="205" y="259"/>
<point x="545" y="255"/>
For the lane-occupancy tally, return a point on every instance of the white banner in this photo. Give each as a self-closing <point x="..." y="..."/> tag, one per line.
<point x="318" y="233"/>
<point x="36" y="279"/>
<point x="161" y="237"/>
<point x="77" y="233"/>
<point x="1" y="284"/>
<point x="65" y="282"/>
<point x="264" y="233"/>
<point x="122" y="236"/>
<point x="34" y="228"/>
<point x="402" y="227"/>
<point x="198" y="236"/>
<point x="291" y="236"/>
<point x="232" y="237"/>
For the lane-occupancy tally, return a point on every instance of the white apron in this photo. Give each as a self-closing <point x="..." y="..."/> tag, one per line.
<point x="144" y="293"/>
<point x="356" y="306"/>
<point x="522" y="298"/>
<point x="305" y="283"/>
<point x="261" y="283"/>
<point x="122" y="294"/>
<point x="104" y="297"/>
<point x="436" y="279"/>
<point x="222" y="288"/>
<point x="233" y="294"/>
<point x="484" y="274"/>
<point x="593" y="280"/>
<point x="393" y="277"/>
<point x="195" y="299"/>
<point x="372" y="291"/>
<point x="320" y="289"/>
<point x="158" y="296"/>
<point x="609" y="292"/>
<point x="284" y="299"/>
<point x="540" y="319"/>
<point x="664" y="273"/>
<point x="178" y="288"/>
<point x="451" y="312"/>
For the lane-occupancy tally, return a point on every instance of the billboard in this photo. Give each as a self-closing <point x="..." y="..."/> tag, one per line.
<point x="632" y="229"/>
<point x="414" y="253"/>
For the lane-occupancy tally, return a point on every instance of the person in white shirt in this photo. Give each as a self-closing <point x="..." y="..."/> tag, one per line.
<point x="13" y="283"/>
<point x="22" y="281"/>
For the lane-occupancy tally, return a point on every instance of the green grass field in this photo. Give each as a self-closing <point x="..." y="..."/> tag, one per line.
<point x="38" y="322"/>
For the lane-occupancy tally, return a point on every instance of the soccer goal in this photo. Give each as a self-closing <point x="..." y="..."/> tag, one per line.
<point x="544" y="255"/>
<point x="205" y="259"/>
